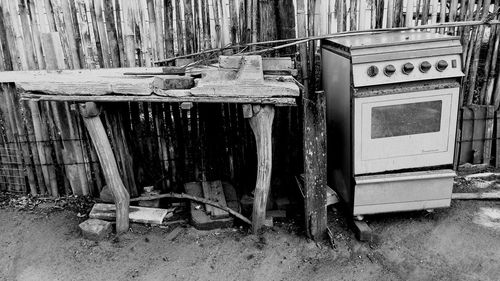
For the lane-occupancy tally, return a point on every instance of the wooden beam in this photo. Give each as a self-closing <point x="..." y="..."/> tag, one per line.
<point x="170" y="96"/>
<point x="107" y="159"/>
<point x="261" y="123"/>
<point x="471" y="196"/>
<point x="315" y="164"/>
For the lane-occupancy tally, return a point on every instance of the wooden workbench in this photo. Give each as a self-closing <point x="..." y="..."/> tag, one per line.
<point x="234" y="80"/>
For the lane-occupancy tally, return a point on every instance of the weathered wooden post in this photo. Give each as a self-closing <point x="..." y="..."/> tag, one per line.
<point x="262" y="124"/>
<point x="315" y="164"/>
<point x="93" y="123"/>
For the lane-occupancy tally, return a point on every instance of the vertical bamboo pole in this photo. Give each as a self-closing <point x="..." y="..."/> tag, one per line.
<point x="96" y="10"/>
<point x="86" y="41"/>
<point x="442" y="13"/>
<point x="188" y="20"/>
<point x="160" y="36"/>
<point x="434" y="6"/>
<point x="14" y="37"/>
<point x="4" y="42"/>
<point x="217" y="22"/>
<point x="112" y="36"/>
<point x="71" y="151"/>
<point x="205" y="17"/>
<point x="409" y="13"/>
<point x="73" y="43"/>
<point x="485" y="98"/>
<point x="425" y="12"/>
<point x="390" y="13"/>
<point x="476" y="52"/>
<point x="128" y="33"/>
<point x="417" y="12"/>
<point x="32" y="60"/>
<point x="268" y="25"/>
<point x="120" y="32"/>
<point x="169" y="29"/>
<point x="44" y="149"/>
<point x="180" y="33"/>
<point x="254" y="13"/>
<point x="144" y="45"/>
<point x="36" y="155"/>
<point x="153" y="36"/>
<point x="49" y="10"/>
<point x="36" y="33"/>
<point x="491" y="95"/>
<point x="233" y="23"/>
<point x="353" y="10"/>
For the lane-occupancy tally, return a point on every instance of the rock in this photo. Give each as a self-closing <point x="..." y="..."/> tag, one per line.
<point x="95" y="229"/>
<point x="106" y="196"/>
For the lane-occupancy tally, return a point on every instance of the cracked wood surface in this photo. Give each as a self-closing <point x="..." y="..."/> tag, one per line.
<point x="107" y="85"/>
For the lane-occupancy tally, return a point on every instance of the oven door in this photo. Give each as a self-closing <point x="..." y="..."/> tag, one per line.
<point x="405" y="130"/>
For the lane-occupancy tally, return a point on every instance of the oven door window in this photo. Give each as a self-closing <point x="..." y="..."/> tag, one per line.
<point x="406" y="119"/>
<point x="414" y="129"/>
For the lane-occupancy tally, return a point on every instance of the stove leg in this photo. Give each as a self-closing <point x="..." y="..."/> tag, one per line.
<point x="363" y="232"/>
<point x="359" y="218"/>
<point x="261" y="122"/>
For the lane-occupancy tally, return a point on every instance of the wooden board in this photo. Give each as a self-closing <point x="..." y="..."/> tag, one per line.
<point x="111" y="85"/>
<point x="478" y="133"/>
<point x="199" y="218"/>
<point x="136" y="214"/>
<point x="213" y="191"/>
<point x="466" y="138"/>
<point x="488" y="134"/>
<point x="167" y="96"/>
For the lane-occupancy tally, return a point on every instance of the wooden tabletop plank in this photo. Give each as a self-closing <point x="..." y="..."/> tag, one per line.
<point x="111" y="85"/>
<point x="278" y="101"/>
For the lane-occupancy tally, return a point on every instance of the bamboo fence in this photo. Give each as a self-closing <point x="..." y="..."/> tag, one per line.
<point x="45" y="150"/>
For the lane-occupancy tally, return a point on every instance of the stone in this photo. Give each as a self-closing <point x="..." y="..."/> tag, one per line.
<point x="106" y="196"/>
<point x="95" y="229"/>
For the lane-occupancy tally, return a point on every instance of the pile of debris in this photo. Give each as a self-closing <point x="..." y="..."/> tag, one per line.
<point x="483" y="185"/>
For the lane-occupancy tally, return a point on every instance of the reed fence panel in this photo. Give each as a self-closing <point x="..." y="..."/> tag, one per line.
<point x="45" y="150"/>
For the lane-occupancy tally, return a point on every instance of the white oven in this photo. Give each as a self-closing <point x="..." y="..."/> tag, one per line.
<point x="392" y="105"/>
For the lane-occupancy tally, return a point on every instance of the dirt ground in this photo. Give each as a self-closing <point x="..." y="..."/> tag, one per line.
<point x="459" y="243"/>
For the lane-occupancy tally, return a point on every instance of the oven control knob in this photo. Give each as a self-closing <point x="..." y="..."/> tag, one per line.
<point x="425" y="66"/>
<point x="389" y="70"/>
<point x="441" y="65"/>
<point x="372" y="71"/>
<point x="407" y="68"/>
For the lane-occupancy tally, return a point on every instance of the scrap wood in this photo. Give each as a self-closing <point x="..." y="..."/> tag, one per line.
<point x="194" y="198"/>
<point x="472" y="196"/>
<point x="136" y="214"/>
<point x="481" y="175"/>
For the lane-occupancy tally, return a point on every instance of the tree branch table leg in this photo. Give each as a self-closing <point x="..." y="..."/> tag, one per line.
<point x="261" y="122"/>
<point x="94" y="125"/>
